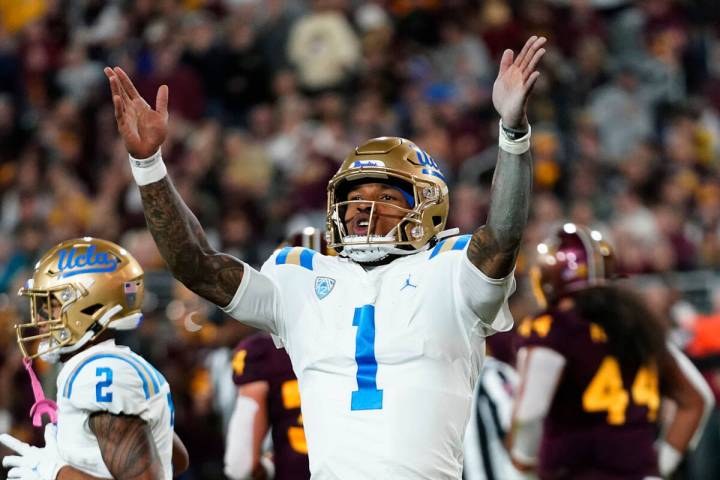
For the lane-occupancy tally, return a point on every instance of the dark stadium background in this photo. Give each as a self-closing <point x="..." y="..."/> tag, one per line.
<point x="266" y="97"/>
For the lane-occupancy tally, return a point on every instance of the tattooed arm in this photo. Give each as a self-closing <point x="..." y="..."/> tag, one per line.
<point x="180" y="462"/>
<point x="177" y="233"/>
<point x="127" y="446"/>
<point x="494" y="247"/>
<point x="184" y="246"/>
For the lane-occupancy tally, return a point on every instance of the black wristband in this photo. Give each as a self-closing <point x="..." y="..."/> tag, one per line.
<point x="513" y="133"/>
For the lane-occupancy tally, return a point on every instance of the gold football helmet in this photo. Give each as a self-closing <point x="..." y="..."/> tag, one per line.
<point x="79" y="288"/>
<point x="398" y="162"/>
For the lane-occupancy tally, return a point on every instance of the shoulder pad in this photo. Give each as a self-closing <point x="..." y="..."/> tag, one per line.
<point x="302" y="257"/>
<point x="452" y="243"/>
<point x="122" y="370"/>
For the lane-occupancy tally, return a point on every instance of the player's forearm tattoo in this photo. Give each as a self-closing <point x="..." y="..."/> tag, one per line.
<point x="494" y="247"/>
<point x="184" y="246"/>
<point x="127" y="446"/>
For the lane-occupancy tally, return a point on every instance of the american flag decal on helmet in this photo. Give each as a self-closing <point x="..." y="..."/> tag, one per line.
<point x="131" y="289"/>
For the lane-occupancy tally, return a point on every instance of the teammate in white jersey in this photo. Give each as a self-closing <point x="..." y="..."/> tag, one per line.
<point x="114" y="411"/>
<point x="386" y="339"/>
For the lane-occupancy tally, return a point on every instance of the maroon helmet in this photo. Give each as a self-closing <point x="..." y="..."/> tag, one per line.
<point x="573" y="258"/>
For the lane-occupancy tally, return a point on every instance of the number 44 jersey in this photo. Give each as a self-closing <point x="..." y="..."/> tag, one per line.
<point x="110" y="378"/>
<point x="604" y="414"/>
<point x="386" y="358"/>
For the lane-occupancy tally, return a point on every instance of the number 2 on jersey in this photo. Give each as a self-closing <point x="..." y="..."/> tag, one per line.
<point x="107" y="373"/>
<point x="367" y="396"/>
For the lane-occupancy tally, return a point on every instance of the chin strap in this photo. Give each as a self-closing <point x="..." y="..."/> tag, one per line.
<point x="42" y="405"/>
<point x="447" y="233"/>
<point x="356" y="248"/>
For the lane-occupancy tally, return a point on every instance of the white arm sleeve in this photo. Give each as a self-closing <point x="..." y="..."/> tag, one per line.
<point x="540" y="371"/>
<point x="486" y="297"/>
<point x="258" y="301"/>
<point x="239" y="442"/>
<point x="668" y="459"/>
<point x="698" y="382"/>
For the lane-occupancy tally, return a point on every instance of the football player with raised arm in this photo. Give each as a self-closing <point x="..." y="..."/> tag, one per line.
<point x="114" y="412"/>
<point x="386" y="339"/>
<point x="594" y="366"/>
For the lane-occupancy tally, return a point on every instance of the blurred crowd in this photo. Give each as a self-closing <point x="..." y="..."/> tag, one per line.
<point x="267" y="97"/>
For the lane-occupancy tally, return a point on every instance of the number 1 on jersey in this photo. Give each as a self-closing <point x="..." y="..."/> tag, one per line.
<point x="367" y="396"/>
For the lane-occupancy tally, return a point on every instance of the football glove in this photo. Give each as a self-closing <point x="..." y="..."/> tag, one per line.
<point x="33" y="463"/>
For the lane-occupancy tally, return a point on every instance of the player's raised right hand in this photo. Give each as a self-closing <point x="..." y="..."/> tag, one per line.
<point x="142" y="128"/>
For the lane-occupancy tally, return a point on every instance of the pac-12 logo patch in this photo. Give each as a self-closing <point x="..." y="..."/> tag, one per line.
<point x="323" y="286"/>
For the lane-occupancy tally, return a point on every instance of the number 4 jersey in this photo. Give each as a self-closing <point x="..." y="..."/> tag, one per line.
<point x="110" y="378"/>
<point x="603" y="416"/>
<point x="386" y="358"/>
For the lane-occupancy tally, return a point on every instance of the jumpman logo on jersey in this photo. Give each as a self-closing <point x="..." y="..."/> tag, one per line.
<point x="407" y="284"/>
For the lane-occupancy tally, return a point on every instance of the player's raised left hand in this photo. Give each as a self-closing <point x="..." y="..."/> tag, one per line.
<point x="33" y="463"/>
<point x="142" y="128"/>
<point x="515" y="81"/>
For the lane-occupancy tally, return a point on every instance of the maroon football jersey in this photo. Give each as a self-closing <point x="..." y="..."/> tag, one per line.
<point x="602" y="423"/>
<point x="257" y="360"/>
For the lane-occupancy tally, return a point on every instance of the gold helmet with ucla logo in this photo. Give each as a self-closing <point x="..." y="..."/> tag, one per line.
<point x="79" y="288"/>
<point x="400" y="163"/>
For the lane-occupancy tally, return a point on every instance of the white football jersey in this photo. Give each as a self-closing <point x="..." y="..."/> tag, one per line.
<point x="110" y="378"/>
<point x="386" y="358"/>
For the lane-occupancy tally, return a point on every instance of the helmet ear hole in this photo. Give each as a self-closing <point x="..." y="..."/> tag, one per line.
<point x="437" y="220"/>
<point x="91" y="309"/>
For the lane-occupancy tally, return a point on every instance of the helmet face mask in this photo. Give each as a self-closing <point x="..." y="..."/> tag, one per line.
<point x="399" y="163"/>
<point x="79" y="288"/>
<point x="48" y="319"/>
<point x="395" y="235"/>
